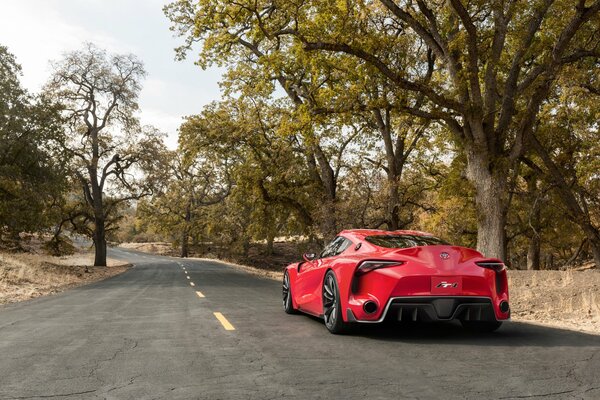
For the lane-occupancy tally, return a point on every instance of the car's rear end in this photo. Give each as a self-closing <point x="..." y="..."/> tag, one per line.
<point x="428" y="282"/>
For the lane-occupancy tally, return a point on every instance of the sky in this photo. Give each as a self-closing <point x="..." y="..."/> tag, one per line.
<point x="38" y="31"/>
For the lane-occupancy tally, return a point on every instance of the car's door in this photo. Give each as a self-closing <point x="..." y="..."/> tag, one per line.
<point x="311" y="274"/>
<point x="304" y="295"/>
<point x="306" y="271"/>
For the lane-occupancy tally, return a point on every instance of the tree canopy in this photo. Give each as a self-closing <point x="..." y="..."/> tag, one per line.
<point x="475" y="78"/>
<point x="474" y="120"/>
<point x="32" y="177"/>
<point x="107" y="148"/>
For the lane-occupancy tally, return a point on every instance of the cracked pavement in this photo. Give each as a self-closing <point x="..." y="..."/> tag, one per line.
<point x="145" y="334"/>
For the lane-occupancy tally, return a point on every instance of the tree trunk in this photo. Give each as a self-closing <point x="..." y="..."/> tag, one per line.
<point x="184" y="243"/>
<point x="594" y="238"/>
<point x="393" y="169"/>
<point x="596" y="252"/>
<point x="490" y="205"/>
<point x="533" y="253"/>
<point x="393" y="201"/>
<point x="329" y="224"/>
<point x="245" y="247"/>
<point x="549" y="264"/>
<point x="270" y="242"/>
<point x="578" y="214"/>
<point x="329" y="186"/>
<point x="185" y="234"/>
<point x="99" y="243"/>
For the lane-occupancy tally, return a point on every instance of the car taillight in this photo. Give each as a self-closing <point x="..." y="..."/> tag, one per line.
<point x="495" y="265"/>
<point x="367" y="266"/>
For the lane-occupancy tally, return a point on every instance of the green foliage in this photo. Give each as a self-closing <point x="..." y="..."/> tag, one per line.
<point x="31" y="167"/>
<point x="272" y="190"/>
<point x="444" y="97"/>
<point x="477" y="121"/>
<point x="454" y="215"/>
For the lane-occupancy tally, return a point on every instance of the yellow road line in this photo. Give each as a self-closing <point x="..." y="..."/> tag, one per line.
<point x="192" y="283"/>
<point x="226" y="324"/>
<point x="199" y="294"/>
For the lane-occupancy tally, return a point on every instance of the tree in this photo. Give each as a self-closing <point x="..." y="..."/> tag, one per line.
<point x="495" y="64"/>
<point x="108" y="148"/>
<point x="255" y="68"/>
<point x="501" y="69"/>
<point x="475" y="119"/>
<point x="565" y="141"/>
<point x="31" y="176"/>
<point x="195" y="181"/>
<point x="268" y="168"/>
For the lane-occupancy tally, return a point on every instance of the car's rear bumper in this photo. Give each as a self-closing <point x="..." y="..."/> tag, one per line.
<point x="433" y="308"/>
<point x="371" y="295"/>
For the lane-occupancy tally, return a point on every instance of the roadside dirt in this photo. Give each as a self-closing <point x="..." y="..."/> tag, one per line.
<point x="25" y="276"/>
<point x="564" y="299"/>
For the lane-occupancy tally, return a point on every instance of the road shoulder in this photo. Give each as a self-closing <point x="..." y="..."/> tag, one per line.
<point x="25" y="276"/>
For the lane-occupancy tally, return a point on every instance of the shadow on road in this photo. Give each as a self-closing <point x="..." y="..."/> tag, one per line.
<point x="510" y="334"/>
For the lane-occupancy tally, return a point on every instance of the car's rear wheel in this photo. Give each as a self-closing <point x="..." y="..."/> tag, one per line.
<point x="288" y="305"/>
<point x="332" y="310"/>
<point x="481" y="326"/>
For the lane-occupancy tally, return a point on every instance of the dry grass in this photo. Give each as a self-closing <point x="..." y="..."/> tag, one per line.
<point x="25" y="276"/>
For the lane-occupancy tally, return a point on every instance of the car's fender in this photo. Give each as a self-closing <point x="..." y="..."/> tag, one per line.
<point x="344" y="268"/>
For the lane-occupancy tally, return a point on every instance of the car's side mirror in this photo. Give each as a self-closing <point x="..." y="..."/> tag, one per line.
<point x="309" y="256"/>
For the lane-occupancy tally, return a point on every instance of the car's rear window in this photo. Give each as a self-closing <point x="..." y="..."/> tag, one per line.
<point x="403" y="241"/>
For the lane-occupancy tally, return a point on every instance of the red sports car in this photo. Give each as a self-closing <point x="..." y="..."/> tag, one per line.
<point x="367" y="276"/>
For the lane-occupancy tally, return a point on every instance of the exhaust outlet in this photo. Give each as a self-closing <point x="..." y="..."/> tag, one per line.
<point x="504" y="307"/>
<point x="370" y="307"/>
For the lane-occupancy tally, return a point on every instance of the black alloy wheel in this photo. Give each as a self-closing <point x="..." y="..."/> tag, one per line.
<point x="288" y="305"/>
<point x="332" y="313"/>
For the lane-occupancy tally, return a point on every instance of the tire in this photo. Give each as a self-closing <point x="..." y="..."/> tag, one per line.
<point x="481" y="326"/>
<point x="288" y="305"/>
<point x="332" y="310"/>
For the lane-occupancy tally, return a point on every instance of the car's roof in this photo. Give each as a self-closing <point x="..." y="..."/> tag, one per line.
<point x="360" y="234"/>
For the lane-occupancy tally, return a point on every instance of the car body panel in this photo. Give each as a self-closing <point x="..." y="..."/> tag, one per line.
<point x="427" y="272"/>
<point x="309" y="281"/>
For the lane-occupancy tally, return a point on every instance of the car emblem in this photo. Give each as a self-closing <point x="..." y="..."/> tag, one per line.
<point x="444" y="256"/>
<point x="446" y="285"/>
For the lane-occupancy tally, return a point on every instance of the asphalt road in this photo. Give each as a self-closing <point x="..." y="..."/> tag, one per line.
<point x="148" y="334"/>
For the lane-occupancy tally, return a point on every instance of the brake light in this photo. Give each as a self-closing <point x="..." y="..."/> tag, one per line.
<point x="367" y="266"/>
<point x="495" y="265"/>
